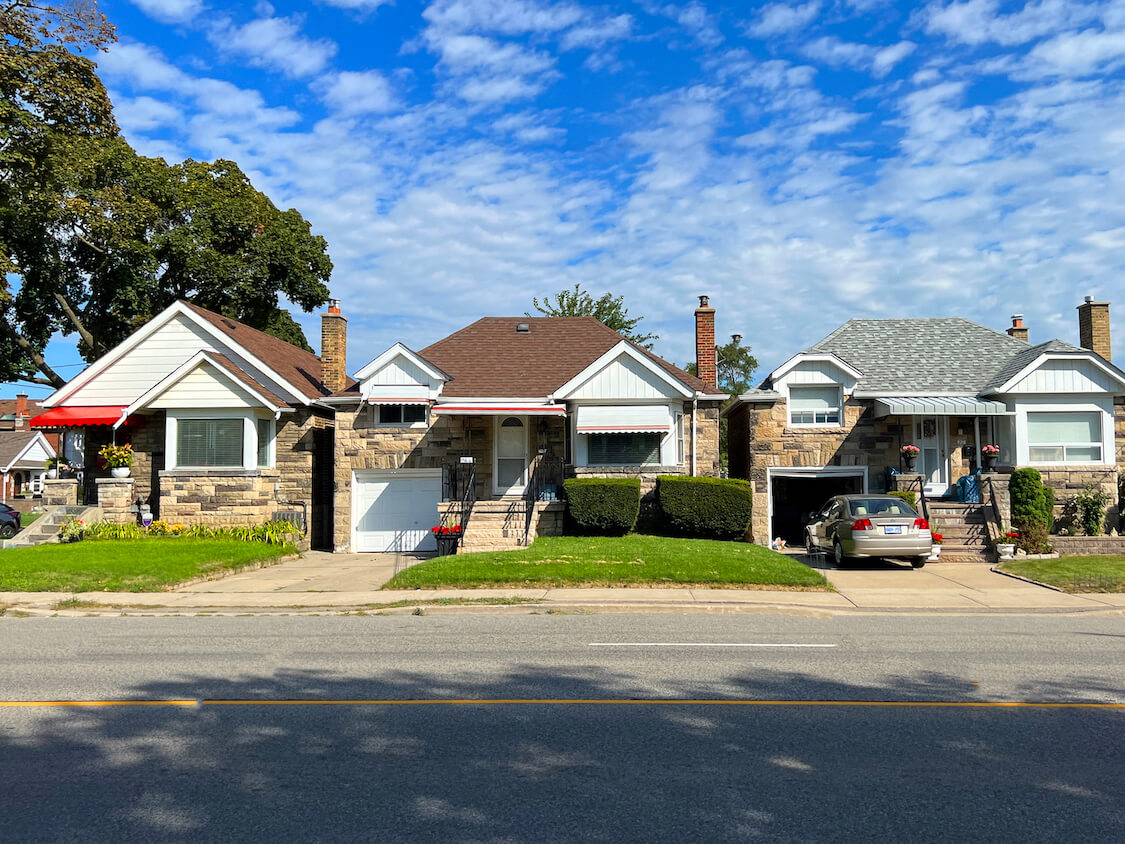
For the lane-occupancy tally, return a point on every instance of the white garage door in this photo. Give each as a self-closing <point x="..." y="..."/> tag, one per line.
<point x="394" y="510"/>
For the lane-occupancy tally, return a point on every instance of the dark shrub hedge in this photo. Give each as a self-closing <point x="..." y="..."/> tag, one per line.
<point x="711" y="508"/>
<point x="603" y="505"/>
<point x="1033" y="509"/>
<point x="906" y="495"/>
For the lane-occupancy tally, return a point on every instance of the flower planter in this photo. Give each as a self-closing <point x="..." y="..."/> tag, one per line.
<point x="120" y="471"/>
<point x="447" y="543"/>
<point x="1006" y="550"/>
<point x="908" y="460"/>
<point x="935" y="553"/>
<point x="989" y="461"/>
<point x="52" y="474"/>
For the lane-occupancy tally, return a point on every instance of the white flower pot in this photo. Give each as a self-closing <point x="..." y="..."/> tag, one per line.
<point x="935" y="553"/>
<point x="120" y="471"/>
<point x="52" y="474"/>
<point x="1006" y="550"/>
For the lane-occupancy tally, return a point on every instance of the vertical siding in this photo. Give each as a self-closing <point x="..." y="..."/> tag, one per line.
<point x="1066" y="376"/>
<point x="624" y="378"/>
<point x="399" y="371"/>
<point x="816" y="372"/>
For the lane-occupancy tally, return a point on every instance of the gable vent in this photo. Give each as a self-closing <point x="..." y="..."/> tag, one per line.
<point x="523" y="328"/>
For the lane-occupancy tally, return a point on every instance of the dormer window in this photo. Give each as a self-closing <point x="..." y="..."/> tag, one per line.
<point x="819" y="405"/>
<point x="401" y="414"/>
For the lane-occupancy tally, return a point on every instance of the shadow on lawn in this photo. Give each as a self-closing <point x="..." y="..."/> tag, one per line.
<point x="560" y="772"/>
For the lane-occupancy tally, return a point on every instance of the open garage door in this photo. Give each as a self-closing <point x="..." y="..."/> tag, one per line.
<point x="795" y="494"/>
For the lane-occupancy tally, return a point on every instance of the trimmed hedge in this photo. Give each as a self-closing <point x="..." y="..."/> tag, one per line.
<point x="906" y="495"/>
<point x="709" y="508"/>
<point x="604" y="505"/>
<point x="1033" y="509"/>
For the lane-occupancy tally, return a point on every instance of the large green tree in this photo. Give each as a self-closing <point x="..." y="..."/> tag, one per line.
<point x="101" y="238"/>
<point x="608" y="309"/>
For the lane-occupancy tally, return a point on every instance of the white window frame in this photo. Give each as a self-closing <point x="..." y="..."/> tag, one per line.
<point x="678" y="432"/>
<point x="1065" y="445"/>
<point x="249" y="438"/>
<point x="839" y="423"/>
<point x="377" y="417"/>
<point x="1047" y="404"/>
<point x="271" y="442"/>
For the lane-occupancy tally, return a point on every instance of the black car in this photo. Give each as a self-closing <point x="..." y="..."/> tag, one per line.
<point x="9" y="521"/>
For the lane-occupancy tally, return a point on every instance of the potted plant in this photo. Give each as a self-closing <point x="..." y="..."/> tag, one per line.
<point x="72" y="530"/>
<point x="118" y="458"/>
<point x="1006" y="544"/>
<point x="448" y="537"/>
<point x="55" y="466"/>
<point x="990" y="454"/>
<point x="909" y="455"/>
<point x="935" y="546"/>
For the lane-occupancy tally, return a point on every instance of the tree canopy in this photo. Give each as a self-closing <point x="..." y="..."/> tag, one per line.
<point x="102" y="238"/>
<point x="608" y="309"/>
<point x="735" y="367"/>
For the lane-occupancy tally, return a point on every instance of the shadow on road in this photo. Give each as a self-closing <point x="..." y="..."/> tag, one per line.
<point x="559" y="772"/>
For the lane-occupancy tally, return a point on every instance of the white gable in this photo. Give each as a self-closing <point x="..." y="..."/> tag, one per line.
<point x="203" y="387"/>
<point x="1067" y="375"/>
<point x="398" y="371"/>
<point x="814" y="372"/>
<point x="624" y="378"/>
<point x="152" y="359"/>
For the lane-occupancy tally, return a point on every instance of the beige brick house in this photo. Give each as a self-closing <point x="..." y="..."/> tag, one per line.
<point x="232" y="426"/>
<point x="481" y="428"/>
<point x="833" y="418"/>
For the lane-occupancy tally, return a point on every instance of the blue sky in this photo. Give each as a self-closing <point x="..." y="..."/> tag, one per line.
<point x="801" y="163"/>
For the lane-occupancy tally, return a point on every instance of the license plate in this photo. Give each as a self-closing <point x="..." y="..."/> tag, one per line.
<point x="892" y="529"/>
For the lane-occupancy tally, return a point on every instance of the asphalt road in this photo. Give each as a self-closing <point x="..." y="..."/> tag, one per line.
<point x="552" y="770"/>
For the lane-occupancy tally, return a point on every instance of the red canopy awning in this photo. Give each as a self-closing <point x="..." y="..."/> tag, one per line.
<point x="78" y="417"/>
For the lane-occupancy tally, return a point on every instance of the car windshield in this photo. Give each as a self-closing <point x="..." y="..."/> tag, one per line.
<point x="880" y="507"/>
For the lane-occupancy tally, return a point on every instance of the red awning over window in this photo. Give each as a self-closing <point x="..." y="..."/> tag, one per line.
<point x="78" y="417"/>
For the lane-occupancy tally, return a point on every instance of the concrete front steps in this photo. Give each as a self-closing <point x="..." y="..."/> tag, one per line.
<point x="496" y="525"/>
<point x="963" y="529"/>
<point x="47" y="527"/>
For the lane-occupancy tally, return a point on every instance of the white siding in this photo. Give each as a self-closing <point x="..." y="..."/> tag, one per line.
<point x="203" y="387"/>
<point x="33" y="458"/>
<point x="152" y="360"/>
<point x="1066" y="376"/>
<point x="399" y="371"/>
<point x="815" y="372"/>
<point x="624" y="378"/>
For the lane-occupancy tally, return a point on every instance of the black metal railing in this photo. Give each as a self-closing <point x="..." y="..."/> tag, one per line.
<point x="546" y="472"/>
<point x="459" y="490"/>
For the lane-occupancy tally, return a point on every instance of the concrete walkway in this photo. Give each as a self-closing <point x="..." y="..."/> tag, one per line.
<point x="337" y="582"/>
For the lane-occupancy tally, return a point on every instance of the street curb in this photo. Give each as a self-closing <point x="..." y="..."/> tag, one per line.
<point x="997" y="570"/>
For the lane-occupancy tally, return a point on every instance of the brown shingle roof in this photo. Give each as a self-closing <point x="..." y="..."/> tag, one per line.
<point x="490" y="358"/>
<point x="298" y="367"/>
<point x="12" y="443"/>
<point x="243" y="376"/>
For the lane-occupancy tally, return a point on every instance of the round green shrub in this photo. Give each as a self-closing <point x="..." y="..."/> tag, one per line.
<point x="709" y="508"/>
<point x="606" y="506"/>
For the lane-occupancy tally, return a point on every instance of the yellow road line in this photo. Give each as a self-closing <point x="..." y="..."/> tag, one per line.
<point x="908" y="704"/>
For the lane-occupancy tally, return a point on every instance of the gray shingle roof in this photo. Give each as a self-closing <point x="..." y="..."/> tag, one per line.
<point x="940" y="355"/>
<point x="1026" y="356"/>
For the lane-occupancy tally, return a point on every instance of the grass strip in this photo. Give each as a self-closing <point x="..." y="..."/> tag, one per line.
<point x="1074" y="573"/>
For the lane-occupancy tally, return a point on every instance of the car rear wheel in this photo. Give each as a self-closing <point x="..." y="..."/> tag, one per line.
<point x="838" y="554"/>
<point x="918" y="562"/>
<point x="7" y="531"/>
<point x="810" y="546"/>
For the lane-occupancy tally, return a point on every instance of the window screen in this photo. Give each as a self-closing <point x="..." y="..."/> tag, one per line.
<point x="1070" y="437"/>
<point x="623" y="449"/>
<point x="209" y="442"/>
<point x="265" y="433"/>
<point x="814" y="405"/>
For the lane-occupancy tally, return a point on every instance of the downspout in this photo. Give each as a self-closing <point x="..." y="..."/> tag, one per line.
<point x="694" y="416"/>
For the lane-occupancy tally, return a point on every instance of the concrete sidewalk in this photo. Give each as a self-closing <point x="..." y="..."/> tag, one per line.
<point x="338" y="582"/>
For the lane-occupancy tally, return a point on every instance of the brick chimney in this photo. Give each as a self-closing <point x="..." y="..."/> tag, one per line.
<point x="334" y="347"/>
<point x="705" y="343"/>
<point x="1093" y="327"/>
<point x="21" y="409"/>
<point x="1018" y="330"/>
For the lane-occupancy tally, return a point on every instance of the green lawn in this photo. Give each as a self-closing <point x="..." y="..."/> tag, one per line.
<point x="28" y="518"/>
<point x="616" y="561"/>
<point x="1074" y="574"/>
<point x="140" y="565"/>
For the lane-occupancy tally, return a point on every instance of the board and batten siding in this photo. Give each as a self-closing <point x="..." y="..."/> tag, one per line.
<point x="35" y="456"/>
<point x="203" y="387"/>
<point x="152" y="360"/>
<point x="399" y="371"/>
<point x="1066" y="376"/>
<point x="624" y="378"/>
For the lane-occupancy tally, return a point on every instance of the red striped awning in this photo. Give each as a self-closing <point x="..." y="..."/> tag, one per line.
<point x="78" y="417"/>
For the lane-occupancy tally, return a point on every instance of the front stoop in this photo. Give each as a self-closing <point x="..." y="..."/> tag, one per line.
<point x="47" y="527"/>
<point x="502" y="525"/>
<point x="964" y="531"/>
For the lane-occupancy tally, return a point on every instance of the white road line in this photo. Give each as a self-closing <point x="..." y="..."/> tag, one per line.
<point x="708" y="645"/>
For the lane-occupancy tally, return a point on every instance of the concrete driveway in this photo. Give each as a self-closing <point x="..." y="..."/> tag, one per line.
<point x="316" y="571"/>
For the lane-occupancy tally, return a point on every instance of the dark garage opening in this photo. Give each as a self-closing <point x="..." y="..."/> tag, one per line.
<point x="794" y="498"/>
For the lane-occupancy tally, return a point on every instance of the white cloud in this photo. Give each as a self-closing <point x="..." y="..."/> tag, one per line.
<point x="358" y="5"/>
<point x="170" y="11"/>
<point x="141" y="114"/>
<point x="274" y="43"/>
<point x="780" y="18"/>
<point x="508" y="17"/>
<point x="1078" y="54"/>
<point x="885" y="60"/>
<point x="978" y="22"/>
<point x="880" y="61"/>
<point x="358" y="92"/>
<point x="597" y="33"/>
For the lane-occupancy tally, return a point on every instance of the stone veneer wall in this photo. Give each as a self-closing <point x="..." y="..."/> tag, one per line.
<point x="115" y="497"/>
<point x="147" y="437"/>
<point x="218" y="498"/>
<point x="707" y="461"/>
<point x="60" y="492"/>
<point x="294" y="456"/>
<point x="363" y="445"/>
<point x="1070" y="481"/>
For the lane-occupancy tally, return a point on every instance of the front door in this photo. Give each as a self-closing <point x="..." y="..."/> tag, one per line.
<point x="511" y="455"/>
<point x="931" y="434"/>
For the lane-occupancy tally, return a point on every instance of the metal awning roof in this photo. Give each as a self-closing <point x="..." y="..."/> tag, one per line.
<point x="938" y="406"/>
<point x="623" y="419"/>
<point x="79" y="417"/>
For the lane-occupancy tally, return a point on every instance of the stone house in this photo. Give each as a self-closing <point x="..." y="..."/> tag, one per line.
<point x="232" y="426"/>
<point x="833" y="418"/>
<point x="23" y="457"/>
<point x="481" y="428"/>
